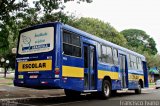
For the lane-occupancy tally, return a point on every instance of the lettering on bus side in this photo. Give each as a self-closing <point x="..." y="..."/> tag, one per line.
<point x="34" y="65"/>
<point x="133" y="77"/>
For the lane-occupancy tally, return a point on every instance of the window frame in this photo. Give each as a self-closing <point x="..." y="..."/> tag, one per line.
<point x="133" y="62"/>
<point x="115" y="57"/>
<point x="139" y="63"/>
<point x="80" y="40"/>
<point x="101" y="58"/>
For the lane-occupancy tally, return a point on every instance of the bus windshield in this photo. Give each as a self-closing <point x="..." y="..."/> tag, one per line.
<point x="36" y="41"/>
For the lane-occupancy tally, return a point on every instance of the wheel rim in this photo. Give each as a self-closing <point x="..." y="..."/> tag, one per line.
<point x="106" y="89"/>
<point x="139" y="87"/>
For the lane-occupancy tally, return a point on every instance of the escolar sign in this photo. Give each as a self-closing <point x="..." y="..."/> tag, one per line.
<point x="40" y="65"/>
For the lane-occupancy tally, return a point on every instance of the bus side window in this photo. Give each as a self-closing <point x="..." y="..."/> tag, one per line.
<point x="109" y="55"/>
<point x="133" y="62"/>
<point x="139" y="63"/>
<point x="104" y="54"/>
<point x="115" y="56"/>
<point x="71" y="44"/>
<point x="99" y="52"/>
<point x="130" y="62"/>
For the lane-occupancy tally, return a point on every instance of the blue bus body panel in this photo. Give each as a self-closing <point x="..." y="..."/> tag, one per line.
<point x="70" y="82"/>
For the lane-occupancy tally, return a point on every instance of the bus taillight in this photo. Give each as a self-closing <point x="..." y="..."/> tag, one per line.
<point x="57" y="71"/>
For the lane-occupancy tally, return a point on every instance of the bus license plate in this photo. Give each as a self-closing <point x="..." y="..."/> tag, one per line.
<point x="33" y="76"/>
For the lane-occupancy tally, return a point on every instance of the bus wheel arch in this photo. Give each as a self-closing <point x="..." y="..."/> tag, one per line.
<point x="141" y="83"/>
<point x="140" y="86"/>
<point x="106" y="87"/>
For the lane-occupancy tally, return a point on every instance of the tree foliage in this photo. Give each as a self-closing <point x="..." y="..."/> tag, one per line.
<point x="9" y="7"/>
<point x="140" y="41"/>
<point x="100" y="29"/>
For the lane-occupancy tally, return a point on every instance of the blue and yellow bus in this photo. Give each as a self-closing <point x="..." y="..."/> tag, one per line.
<point x="55" y="55"/>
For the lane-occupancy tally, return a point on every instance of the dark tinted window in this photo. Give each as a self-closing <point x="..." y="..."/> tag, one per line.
<point x="67" y="37"/>
<point x="71" y="44"/>
<point x="75" y="40"/>
<point x="85" y="57"/>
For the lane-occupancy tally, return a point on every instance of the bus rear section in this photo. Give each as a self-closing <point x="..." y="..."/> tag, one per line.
<point x="36" y="60"/>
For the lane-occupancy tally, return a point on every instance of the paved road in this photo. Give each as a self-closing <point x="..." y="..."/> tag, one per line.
<point x="121" y="99"/>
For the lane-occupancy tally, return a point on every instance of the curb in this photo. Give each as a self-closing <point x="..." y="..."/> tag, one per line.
<point x="148" y="88"/>
<point x="27" y="99"/>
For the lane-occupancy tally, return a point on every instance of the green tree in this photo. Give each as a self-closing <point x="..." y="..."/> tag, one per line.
<point x="8" y="9"/>
<point x="139" y="41"/>
<point x="100" y="29"/>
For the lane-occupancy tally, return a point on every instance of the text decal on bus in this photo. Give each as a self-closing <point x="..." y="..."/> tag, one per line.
<point x="36" y="41"/>
<point x="41" y="65"/>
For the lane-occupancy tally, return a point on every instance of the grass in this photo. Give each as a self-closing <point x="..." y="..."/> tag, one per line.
<point x="6" y="83"/>
<point x="152" y="83"/>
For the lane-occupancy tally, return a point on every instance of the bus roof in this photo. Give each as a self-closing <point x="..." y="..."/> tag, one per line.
<point x="85" y="34"/>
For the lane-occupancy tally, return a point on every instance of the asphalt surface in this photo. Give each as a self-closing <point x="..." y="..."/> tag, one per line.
<point x="149" y="97"/>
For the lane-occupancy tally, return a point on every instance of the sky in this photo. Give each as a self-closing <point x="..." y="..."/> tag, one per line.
<point x="123" y="14"/>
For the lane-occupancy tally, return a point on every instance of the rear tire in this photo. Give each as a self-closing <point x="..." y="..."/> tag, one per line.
<point x="139" y="90"/>
<point x="106" y="89"/>
<point x="72" y="93"/>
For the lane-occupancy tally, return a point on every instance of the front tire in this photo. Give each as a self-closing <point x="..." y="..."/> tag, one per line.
<point x="106" y="89"/>
<point x="139" y="90"/>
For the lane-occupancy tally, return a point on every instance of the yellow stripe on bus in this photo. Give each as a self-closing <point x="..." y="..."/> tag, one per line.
<point x="135" y="77"/>
<point x="112" y="75"/>
<point x="69" y="71"/>
<point x="39" y="65"/>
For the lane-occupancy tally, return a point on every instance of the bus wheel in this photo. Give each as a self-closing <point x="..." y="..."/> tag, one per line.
<point x="72" y="93"/>
<point x="106" y="89"/>
<point x="138" y="91"/>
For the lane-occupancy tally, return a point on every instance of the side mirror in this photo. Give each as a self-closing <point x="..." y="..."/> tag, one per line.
<point x="14" y="50"/>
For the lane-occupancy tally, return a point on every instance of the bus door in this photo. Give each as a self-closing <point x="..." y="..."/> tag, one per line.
<point x="89" y="67"/>
<point x="145" y="73"/>
<point x="123" y="70"/>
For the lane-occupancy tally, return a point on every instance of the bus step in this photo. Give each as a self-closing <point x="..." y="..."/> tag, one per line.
<point x="90" y="91"/>
<point x="124" y="89"/>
